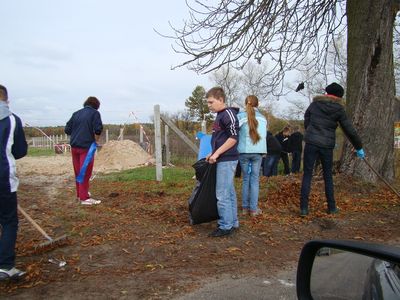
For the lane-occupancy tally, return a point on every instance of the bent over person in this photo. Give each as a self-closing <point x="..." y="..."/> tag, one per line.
<point x="320" y="122"/>
<point x="85" y="127"/>
<point x="225" y="155"/>
<point x="12" y="146"/>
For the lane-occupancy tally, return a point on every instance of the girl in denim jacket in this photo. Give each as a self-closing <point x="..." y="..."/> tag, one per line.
<point x="251" y="147"/>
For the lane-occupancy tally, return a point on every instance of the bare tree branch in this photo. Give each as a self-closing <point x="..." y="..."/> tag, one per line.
<point x="281" y="32"/>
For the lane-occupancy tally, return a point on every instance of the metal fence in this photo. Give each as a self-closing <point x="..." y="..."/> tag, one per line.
<point x="48" y="142"/>
<point x="179" y="151"/>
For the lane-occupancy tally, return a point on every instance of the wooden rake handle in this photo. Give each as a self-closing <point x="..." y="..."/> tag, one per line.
<point x="36" y="225"/>
<point x="381" y="178"/>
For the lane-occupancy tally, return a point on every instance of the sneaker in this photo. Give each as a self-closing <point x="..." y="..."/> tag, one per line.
<point x="13" y="274"/>
<point x="221" y="232"/>
<point x="77" y="197"/>
<point x="245" y="211"/>
<point x="90" y="201"/>
<point x="333" y="211"/>
<point x="255" y="213"/>
<point x="303" y="212"/>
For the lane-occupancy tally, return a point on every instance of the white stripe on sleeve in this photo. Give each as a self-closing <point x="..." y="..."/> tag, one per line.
<point x="11" y="160"/>
<point x="232" y="128"/>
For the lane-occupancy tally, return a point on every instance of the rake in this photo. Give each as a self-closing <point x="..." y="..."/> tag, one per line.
<point x="50" y="241"/>
<point x="380" y="177"/>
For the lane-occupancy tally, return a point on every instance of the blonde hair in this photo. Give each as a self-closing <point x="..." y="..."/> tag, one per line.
<point x="251" y="102"/>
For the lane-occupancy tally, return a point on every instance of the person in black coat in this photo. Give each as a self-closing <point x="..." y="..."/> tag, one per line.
<point x="283" y="138"/>
<point x="320" y="122"/>
<point x="270" y="162"/>
<point x="296" y="147"/>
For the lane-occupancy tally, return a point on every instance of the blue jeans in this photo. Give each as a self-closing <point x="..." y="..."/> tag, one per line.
<point x="270" y="167"/>
<point x="226" y="195"/>
<point x="250" y="164"/>
<point x="311" y="152"/>
<point x="9" y="224"/>
<point x="296" y="161"/>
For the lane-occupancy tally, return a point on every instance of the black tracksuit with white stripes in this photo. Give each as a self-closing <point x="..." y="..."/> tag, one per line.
<point x="226" y="125"/>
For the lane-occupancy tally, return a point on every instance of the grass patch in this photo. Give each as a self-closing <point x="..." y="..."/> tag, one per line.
<point x="183" y="160"/>
<point x="170" y="175"/>
<point x="40" y="152"/>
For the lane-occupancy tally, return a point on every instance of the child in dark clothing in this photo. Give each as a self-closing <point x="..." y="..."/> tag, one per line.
<point x="85" y="127"/>
<point x="225" y="155"/>
<point x="283" y="138"/>
<point x="296" y="147"/>
<point x="321" y="119"/>
<point x="270" y="163"/>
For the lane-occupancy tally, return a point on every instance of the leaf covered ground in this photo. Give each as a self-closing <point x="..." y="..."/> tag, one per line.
<point x="138" y="243"/>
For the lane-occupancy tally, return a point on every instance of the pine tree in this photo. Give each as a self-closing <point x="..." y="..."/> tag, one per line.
<point x="197" y="104"/>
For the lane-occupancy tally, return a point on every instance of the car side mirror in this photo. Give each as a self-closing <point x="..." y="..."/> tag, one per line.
<point x="330" y="269"/>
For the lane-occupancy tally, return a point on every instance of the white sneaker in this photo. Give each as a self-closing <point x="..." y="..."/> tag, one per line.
<point x="13" y="273"/>
<point x="90" y="201"/>
<point x="89" y="194"/>
<point x="255" y="213"/>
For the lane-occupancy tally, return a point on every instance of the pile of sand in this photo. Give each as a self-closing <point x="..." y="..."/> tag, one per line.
<point x="120" y="155"/>
<point x="113" y="156"/>
<point x="45" y="165"/>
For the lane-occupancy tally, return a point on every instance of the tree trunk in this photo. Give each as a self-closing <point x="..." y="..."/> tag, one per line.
<point x="371" y="86"/>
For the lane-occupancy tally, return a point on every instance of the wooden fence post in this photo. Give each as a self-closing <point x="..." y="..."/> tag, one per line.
<point x="180" y="134"/>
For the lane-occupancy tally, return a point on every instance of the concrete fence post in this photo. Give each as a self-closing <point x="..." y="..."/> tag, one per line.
<point x="157" y="142"/>
<point x="167" y="150"/>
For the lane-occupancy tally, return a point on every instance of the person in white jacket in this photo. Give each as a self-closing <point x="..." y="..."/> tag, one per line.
<point x="251" y="147"/>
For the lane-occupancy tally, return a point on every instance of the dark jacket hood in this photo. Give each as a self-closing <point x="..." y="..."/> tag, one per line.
<point x="321" y="119"/>
<point x="328" y="104"/>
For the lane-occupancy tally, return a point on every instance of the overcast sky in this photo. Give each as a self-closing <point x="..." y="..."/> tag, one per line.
<point x="54" y="54"/>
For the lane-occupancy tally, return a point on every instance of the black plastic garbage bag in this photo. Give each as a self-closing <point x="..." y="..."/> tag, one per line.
<point x="238" y="171"/>
<point x="203" y="202"/>
<point x="200" y="167"/>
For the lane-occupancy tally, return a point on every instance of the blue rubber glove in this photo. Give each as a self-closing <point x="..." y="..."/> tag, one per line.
<point x="360" y="153"/>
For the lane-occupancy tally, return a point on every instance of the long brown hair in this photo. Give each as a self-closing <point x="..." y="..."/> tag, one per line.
<point x="251" y="102"/>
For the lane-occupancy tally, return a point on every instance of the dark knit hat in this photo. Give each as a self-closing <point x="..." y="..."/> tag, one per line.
<point x="335" y="89"/>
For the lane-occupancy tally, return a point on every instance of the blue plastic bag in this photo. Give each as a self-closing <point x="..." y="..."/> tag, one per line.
<point x="205" y="145"/>
<point x="88" y="159"/>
